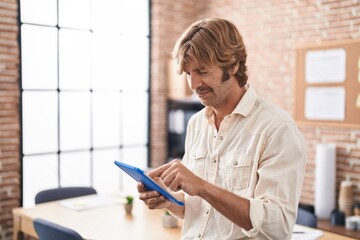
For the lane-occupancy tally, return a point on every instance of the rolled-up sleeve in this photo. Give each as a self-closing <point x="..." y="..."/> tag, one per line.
<point x="280" y="178"/>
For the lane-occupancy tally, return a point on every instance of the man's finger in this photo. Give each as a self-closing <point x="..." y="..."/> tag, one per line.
<point x="140" y="187"/>
<point x="158" y="171"/>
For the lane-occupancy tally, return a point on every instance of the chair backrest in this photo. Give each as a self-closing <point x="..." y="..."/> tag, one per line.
<point x="47" y="230"/>
<point x="306" y="218"/>
<point x="62" y="193"/>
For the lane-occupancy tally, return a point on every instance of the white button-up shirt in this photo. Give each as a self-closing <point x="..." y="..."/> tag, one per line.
<point x="257" y="153"/>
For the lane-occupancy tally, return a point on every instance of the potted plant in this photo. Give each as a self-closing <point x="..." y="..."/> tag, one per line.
<point x="129" y="204"/>
<point x="168" y="220"/>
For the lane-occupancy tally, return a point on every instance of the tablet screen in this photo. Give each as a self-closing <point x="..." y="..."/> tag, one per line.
<point x="149" y="183"/>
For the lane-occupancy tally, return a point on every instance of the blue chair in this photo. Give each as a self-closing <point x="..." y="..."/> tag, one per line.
<point x="47" y="230"/>
<point x="63" y="193"/>
<point x="306" y="218"/>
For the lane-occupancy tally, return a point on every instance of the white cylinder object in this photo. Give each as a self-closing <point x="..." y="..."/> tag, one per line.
<point x="325" y="180"/>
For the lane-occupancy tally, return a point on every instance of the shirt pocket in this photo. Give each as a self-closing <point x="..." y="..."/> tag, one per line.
<point x="238" y="170"/>
<point x="197" y="164"/>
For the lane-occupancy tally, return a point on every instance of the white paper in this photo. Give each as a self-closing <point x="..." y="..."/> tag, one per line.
<point x="305" y="233"/>
<point x="325" y="103"/>
<point x="90" y="202"/>
<point x="325" y="66"/>
<point x="325" y="180"/>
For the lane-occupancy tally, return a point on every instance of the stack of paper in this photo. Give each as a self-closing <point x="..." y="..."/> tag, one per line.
<point x="89" y="202"/>
<point x="305" y="233"/>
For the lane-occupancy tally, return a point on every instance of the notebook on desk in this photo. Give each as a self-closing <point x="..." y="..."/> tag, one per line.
<point x="305" y="233"/>
<point x="90" y="202"/>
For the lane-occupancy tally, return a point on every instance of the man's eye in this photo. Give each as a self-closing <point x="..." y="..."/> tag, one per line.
<point x="202" y="71"/>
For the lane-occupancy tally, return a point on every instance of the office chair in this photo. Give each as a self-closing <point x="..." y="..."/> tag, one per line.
<point x="306" y="218"/>
<point x="62" y="193"/>
<point x="47" y="230"/>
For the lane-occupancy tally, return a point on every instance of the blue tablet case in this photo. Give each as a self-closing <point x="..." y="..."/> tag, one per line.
<point x="150" y="184"/>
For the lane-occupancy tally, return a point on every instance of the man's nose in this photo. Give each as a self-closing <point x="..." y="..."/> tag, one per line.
<point x="194" y="81"/>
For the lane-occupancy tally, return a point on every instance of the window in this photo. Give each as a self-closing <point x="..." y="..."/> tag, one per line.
<point x="85" y="93"/>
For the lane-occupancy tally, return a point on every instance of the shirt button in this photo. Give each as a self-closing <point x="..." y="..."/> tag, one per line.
<point x="221" y="138"/>
<point x="235" y="163"/>
<point x="214" y="160"/>
<point x="207" y="212"/>
<point x="199" y="235"/>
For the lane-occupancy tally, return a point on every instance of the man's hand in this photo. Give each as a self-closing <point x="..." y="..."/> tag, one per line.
<point x="177" y="177"/>
<point x="153" y="199"/>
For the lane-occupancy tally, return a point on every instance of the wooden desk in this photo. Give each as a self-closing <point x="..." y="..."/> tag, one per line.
<point x="326" y="235"/>
<point x="107" y="222"/>
<point x="324" y="224"/>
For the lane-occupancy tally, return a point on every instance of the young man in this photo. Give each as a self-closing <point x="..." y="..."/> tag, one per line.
<point x="244" y="161"/>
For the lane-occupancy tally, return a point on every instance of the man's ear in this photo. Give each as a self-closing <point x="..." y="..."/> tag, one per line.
<point x="235" y="69"/>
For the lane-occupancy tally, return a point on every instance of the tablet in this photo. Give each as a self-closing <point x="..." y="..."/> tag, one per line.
<point x="149" y="183"/>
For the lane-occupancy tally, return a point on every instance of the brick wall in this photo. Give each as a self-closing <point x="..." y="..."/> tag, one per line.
<point x="271" y="29"/>
<point x="169" y="18"/>
<point x="9" y="115"/>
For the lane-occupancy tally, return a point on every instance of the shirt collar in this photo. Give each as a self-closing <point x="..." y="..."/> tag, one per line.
<point x="244" y="107"/>
<point x="247" y="102"/>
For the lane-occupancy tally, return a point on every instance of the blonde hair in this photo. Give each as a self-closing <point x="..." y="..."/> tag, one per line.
<point x="212" y="42"/>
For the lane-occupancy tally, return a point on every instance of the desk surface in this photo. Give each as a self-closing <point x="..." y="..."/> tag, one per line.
<point x="107" y="222"/>
<point x="324" y="224"/>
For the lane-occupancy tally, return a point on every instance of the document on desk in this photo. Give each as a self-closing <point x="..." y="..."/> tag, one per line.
<point x="305" y="233"/>
<point x="91" y="202"/>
